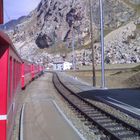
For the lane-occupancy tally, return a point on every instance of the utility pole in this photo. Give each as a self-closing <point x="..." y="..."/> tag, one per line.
<point x="102" y="44"/>
<point x="54" y="39"/>
<point x="73" y="49"/>
<point x="92" y="42"/>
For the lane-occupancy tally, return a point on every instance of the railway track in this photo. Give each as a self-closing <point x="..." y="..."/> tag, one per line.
<point x="100" y="122"/>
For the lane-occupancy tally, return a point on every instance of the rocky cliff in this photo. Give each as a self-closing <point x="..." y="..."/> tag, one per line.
<point x="54" y="22"/>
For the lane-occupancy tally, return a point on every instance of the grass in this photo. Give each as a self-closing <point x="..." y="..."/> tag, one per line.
<point x="107" y="31"/>
<point x="138" y="27"/>
<point x="137" y="68"/>
<point x="112" y="81"/>
<point x="116" y="76"/>
<point x="119" y="72"/>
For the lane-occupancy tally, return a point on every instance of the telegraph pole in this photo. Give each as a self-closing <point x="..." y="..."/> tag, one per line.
<point x="54" y="39"/>
<point x="102" y="44"/>
<point x="73" y="49"/>
<point x="92" y="42"/>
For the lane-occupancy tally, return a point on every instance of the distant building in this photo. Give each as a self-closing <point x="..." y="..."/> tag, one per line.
<point x="58" y="66"/>
<point x="62" y="65"/>
<point x="67" y="65"/>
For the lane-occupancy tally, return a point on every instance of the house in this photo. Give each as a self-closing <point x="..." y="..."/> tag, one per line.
<point x="62" y="65"/>
<point x="58" y="66"/>
<point x="67" y="65"/>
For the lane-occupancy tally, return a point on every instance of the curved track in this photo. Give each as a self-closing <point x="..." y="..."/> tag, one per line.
<point x="102" y="123"/>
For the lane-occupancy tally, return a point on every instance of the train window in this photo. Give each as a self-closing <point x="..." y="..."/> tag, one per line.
<point x="14" y="77"/>
<point x="27" y="69"/>
<point x="19" y="72"/>
<point x="16" y="74"/>
<point x="18" y="68"/>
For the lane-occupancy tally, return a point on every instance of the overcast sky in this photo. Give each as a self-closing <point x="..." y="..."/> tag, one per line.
<point x="14" y="9"/>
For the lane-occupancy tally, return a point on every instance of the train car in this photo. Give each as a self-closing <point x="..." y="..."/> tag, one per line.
<point x="40" y="69"/>
<point x="26" y="73"/>
<point x="13" y="72"/>
<point x="35" y="71"/>
<point x="29" y="72"/>
<point x="10" y="77"/>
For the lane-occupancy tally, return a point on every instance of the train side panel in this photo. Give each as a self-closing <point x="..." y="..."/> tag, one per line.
<point x="10" y="73"/>
<point x="4" y="51"/>
<point x="26" y="75"/>
<point x="27" y="71"/>
<point x="35" y="71"/>
<point x="22" y="76"/>
<point x="11" y="70"/>
<point x="14" y="87"/>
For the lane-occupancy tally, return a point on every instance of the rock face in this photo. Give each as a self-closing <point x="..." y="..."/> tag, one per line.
<point x="115" y="13"/>
<point x="59" y="16"/>
<point x="41" y="41"/>
<point x="122" y="45"/>
<point x="133" y="81"/>
<point x="53" y="21"/>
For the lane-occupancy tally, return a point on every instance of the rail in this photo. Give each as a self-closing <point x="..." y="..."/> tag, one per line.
<point x="109" y="126"/>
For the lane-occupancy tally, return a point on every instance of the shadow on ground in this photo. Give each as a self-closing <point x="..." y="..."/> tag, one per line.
<point x="127" y="96"/>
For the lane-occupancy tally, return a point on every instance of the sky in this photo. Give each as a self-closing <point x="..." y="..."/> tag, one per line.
<point x="14" y="9"/>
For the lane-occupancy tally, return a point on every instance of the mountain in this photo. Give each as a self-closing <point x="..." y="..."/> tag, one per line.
<point x="52" y="26"/>
<point x="12" y="23"/>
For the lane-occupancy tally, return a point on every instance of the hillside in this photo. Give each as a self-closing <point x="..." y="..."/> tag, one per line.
<point x="12" y="23"/>
<point x="49" y="29"/>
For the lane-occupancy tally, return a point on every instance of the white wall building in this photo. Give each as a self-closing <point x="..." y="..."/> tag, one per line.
<point x="62" y="66"/>
<point x="58" y="66"/>
<point x="67" y="65"/>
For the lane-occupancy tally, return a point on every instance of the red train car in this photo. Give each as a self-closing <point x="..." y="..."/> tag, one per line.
<point x="40" y="69"/>
<point x="10" y="75"/>
<point x="26" y="73"/>
<point x="29" y="72"/>
<point x="14" y="75"/>
<point x="35" y="71"/>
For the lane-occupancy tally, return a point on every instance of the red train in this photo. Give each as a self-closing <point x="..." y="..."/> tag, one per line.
<point x="29" y="71"/>
<point x="15" y="74"/>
